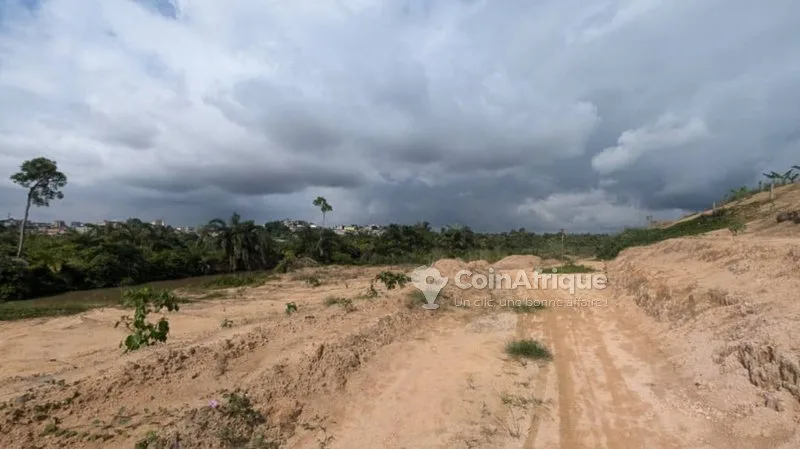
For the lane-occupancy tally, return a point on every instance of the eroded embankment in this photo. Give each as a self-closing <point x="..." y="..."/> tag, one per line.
<point x="730" y="301"/>
<point x="165" y="394"/>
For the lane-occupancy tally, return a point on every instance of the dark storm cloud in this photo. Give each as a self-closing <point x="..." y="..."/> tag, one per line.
<point x="585" y="115"/>
<point x="255" y="177"/>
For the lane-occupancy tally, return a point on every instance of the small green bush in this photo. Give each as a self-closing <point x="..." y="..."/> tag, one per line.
<point x="144" y="333"/>
<point x="530" y="349"/>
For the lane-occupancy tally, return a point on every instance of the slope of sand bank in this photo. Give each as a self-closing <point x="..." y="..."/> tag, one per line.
<point x="727" y="308"/>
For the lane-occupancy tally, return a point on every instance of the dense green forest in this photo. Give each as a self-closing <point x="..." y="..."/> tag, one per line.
<point x="135" y="252"/>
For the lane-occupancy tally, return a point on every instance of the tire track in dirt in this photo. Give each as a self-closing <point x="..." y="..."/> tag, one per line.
<point x="526" y="325"/>
<point x="566" y="391"/>
<point x="603" y="394"/>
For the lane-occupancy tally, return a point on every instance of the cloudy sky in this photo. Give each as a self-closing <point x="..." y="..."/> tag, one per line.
<point x="583" y="114"/>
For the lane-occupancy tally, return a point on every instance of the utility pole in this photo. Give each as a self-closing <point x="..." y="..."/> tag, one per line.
<point x="562" y="243"/>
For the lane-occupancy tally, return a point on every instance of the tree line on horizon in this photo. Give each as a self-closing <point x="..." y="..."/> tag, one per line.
<point x="135" y="252"/>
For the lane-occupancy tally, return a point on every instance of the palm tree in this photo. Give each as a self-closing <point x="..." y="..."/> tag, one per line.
<point x="223" y="236"/>
<point x="772" y="176"/>
<point x="787" y="176"/>
<point x="324" y="207"/>
<point x="245" y="244"/>
<point x="793" y="176"/>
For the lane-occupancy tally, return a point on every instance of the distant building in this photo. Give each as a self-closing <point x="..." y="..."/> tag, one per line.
<point x="59" y="224"/>
<point x="52" y="231"/>
<point x="159" y="222"/>
<point x="296" y="225"/>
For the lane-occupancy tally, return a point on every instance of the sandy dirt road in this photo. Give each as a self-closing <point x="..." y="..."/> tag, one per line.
<point x="608" y="386"/>
<point x="613" y="387"/>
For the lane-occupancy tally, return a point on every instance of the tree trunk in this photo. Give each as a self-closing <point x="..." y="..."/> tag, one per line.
<point x="22" y="226"/>
<point x="319" y="244"/>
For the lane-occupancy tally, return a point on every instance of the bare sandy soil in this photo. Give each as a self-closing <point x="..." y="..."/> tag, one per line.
<point x="693" y="345"/>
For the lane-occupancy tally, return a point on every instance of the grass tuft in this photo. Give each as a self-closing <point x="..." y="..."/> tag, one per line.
<point x="529" y="349"/>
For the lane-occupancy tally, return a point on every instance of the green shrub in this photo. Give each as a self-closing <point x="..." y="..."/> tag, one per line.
<point x="392" y="280"/>
<point x="736" y="227"/>
<point x="143" y="333"/>
<point x="720" y="219"/>
<point x="530" y="349"/>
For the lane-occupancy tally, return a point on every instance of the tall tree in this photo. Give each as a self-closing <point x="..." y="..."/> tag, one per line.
<point x="223" y="235"/>
<point x="245" y="244"/>
<point x="324" y="207"/>
<point x="43" y="181"/>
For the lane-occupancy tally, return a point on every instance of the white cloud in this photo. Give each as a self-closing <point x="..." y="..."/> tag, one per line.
<point x="594" y="209"/>
<point x="668" y="132"/>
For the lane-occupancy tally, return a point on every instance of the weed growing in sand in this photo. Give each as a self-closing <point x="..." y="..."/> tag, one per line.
<point x="389" y="279"/>
<point x="240" y="406"/>
<point x="313" y="281"/>
<point x="226" y="323"/>
<point x="144" y="333"/>
<point x="371" y="292"/>
<point x="151" y="438"/>
<point x="529" y="349"/>
<point x="291" y="308"/>
<point x="243" y="419"/>
<point x="346" y="303"/>
<point x="736" y="227"/>
<point x="392" y="280"/>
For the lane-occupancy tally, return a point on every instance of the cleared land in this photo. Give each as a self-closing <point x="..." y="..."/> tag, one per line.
<point x="693" y="345"/>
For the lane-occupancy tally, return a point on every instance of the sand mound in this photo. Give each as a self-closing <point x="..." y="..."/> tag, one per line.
<point x="479" y="265"/>
<point x="518" y="263"/>
<point x="450" y="267"/>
